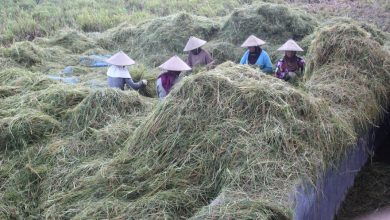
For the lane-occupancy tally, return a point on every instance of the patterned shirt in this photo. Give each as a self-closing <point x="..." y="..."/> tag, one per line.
<point x="282" y="70"/>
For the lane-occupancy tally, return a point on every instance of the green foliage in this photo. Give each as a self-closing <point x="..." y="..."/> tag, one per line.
<point x="54" y="100"/>
<point x="226" y="143"/>
<point x="103" y="107"/>
<point x="72" y="40"/>
<point x="26" y="80"/>
<point x="25" y="53"/>
<point x="156" y="40"/>
<point x="139" y="72"/>
<point x="6" y="91"/>
<point x="240" y="139"/>
<point x="270" y="22"/>
<point x="352" y="59"/>
<point x="27" y="19"/>
<point x="223" y="51"/>
<point x="25" y="128"/>
<point x="159" y="39"/>
<point x="20" y="174"/>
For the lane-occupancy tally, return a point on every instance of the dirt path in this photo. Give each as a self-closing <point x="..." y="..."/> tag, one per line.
<point x="375" y="12"/>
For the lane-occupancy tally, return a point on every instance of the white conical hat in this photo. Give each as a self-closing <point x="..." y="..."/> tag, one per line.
<point x="290" y="45"/>
<point x="175" y="64"/>
<point x="194" y="43"/>
<point x="253" y="41"/>
<point x="120" y="59"/>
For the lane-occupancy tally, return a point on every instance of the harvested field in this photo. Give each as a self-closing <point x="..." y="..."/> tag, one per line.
<point x="227" y="143"/>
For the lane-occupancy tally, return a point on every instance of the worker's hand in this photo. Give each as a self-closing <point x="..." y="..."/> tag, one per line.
<point x="144" y="82"/>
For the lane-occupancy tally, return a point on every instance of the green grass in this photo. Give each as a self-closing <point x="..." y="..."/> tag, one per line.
<point x="27" y="19"/>
<point x="81" y="152"/>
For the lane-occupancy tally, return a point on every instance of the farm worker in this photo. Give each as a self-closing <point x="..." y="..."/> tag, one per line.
<point x="196" y="55"/>
<point x="290" y="65"/>
<point x="172" y="69"/>
<point x="118" y="75"/>
<point x="255" y="55"/>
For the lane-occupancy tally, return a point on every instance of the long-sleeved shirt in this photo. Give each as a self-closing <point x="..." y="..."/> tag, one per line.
<point x="118" y="82"/>
<point x="119" y="76"/>
<point x="161" y="92"/>
<point x="201" y="59"/>
<point x="264" y="62"/>
<point x="282" y="69"/>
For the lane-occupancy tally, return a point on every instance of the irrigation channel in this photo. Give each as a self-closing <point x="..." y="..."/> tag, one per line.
<point x="369" y="198"/>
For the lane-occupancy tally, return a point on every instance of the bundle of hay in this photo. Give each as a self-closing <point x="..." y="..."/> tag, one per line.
<point x="103" y="106"/>
<point x="345" y="42"/>
<point x="6" y="91"/>
<point x="12" y="76"/>
<point x="82" y="158"/>
<point x="58" y="57"/>
<point x="139" y="72"/>
<point x="241" y="208"/>
<point x="347" y="66"/>
<point x="57" y="99"/>
<point x="157" y="40"/>
<point x="72" y="40"/>
<point x="24" y="79"/>
<point x="169" y="35"/>
<point x="223" y="51"/>
<point x="210" y="134"/>
<point x="81" y="155"/>
<point x="54" y="101"/>
<point x="27" y="127"/>
<point x="219" y="127"/>
<point x="46" y="53"/>
<point x="231" y="134"/>
<point x="99" y="142"/>
<point x="113" y="136"/>
<point x="375" y="33"/>
<point x="8" y="62"/>
<point x="57" y="167"/>
<point x="20" y="176"/>
<point x="25" y="53"/>
<point x="274" y="23"/>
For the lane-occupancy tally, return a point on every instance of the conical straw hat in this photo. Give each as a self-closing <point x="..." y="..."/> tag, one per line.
<point x="120" y="59"/>
<point x="175" y="64"/>
<point x="194" y="43"/>
<point x="253" y="41"/>
<point x="290" y="45"/>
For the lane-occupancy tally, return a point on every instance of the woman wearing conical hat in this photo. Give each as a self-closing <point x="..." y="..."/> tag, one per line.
<point x="290" y="65"/>
<point x="196" y="55"/>
<point x="167" y="79"/>
<point x="255" y="55"/>
<point x="118" y="75"/>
